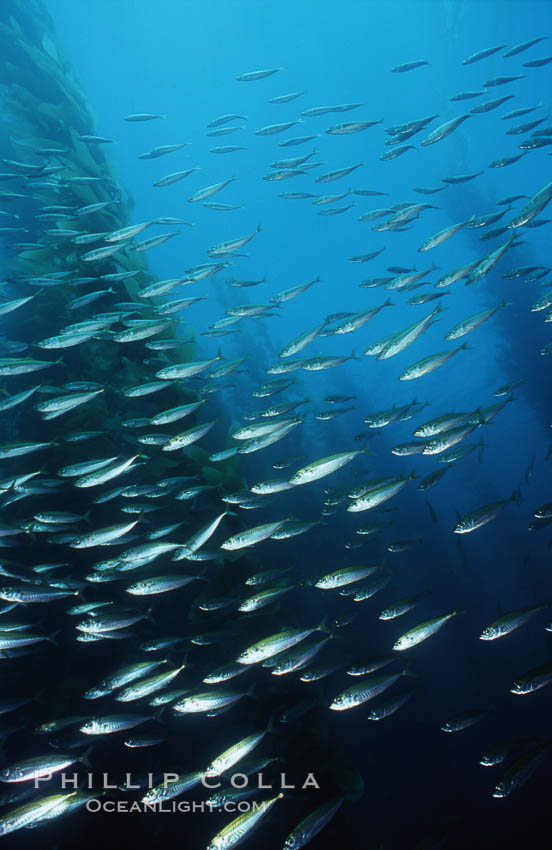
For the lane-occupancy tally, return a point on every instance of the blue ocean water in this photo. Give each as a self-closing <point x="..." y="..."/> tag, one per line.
<point x="181" y="59"/>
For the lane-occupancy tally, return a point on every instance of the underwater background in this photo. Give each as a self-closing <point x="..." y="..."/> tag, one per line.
<point x="403" y="782"/>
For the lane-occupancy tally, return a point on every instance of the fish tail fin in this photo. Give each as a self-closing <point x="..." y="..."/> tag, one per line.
<point x="480" y="417"/>
<point x="408" y="671"/>
<point x="516" y="495"/>
<point x="85" y="758"/>
<point x="323" y="626"/>
<point x="158" y="715"/>
<point x="271" y="728"/>
<point x="388" y="303"/>
<point x="252" y="691"/>
<point x="201" y="576"/>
